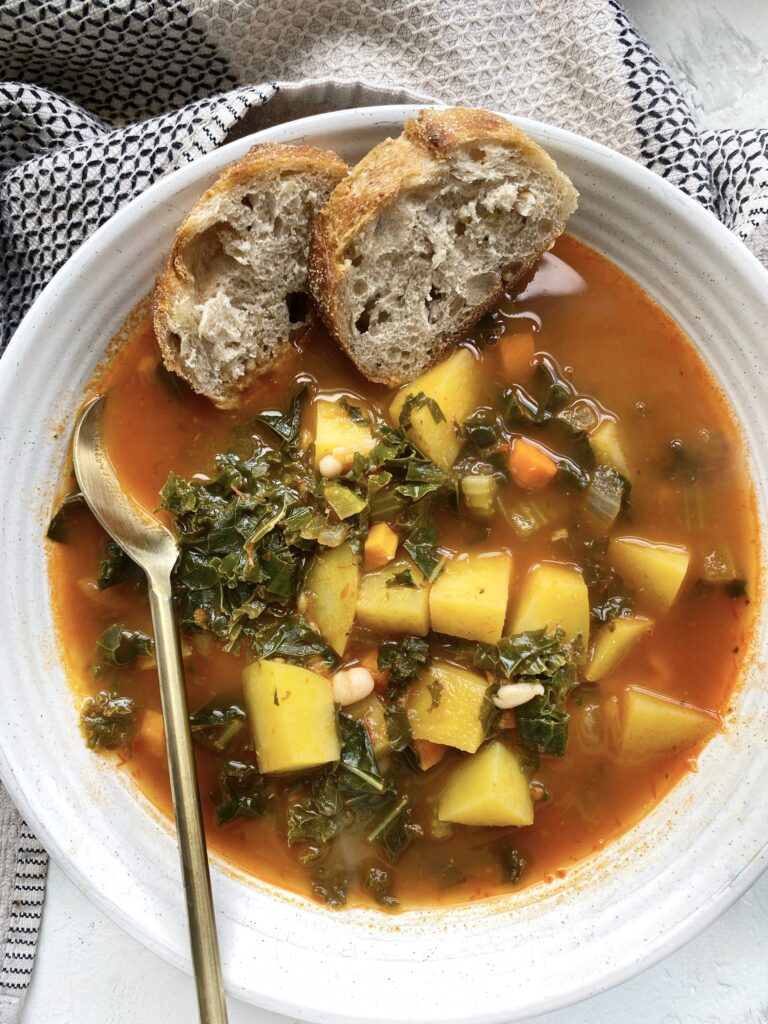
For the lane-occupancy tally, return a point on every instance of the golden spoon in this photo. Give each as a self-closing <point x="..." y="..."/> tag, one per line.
<point x="154" y="548"/>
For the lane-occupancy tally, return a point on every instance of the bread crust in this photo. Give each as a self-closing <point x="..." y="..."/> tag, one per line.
<point x="403" y="164"/>
<point x="262" y="162"/>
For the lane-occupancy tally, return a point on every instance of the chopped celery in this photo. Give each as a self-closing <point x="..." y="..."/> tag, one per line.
<point x="694" y="510"/>
<point x="604" y="496"/>
<point x="526" y="517"/>
<point x="479" y="490"/>
<point x="343" y="501"/>
<point x="719" y="566"/>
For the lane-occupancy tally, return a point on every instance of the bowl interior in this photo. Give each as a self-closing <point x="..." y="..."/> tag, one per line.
<point x="615" y="914"/>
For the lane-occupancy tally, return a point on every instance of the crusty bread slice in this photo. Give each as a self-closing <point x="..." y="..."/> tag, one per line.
<point x="426" y="233"/>
<point x="235" y="286"/>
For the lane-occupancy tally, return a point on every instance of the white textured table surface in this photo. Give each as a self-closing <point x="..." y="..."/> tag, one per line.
<point x="88" y="971"/>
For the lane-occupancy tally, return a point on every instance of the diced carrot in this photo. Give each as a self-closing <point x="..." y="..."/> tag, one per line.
<point x="380" y="546"/>
<point x="429" y="753"/>
<point x="531" y="467"/>
<point x="516" y="353"/>
<point x="152" y="733"/>
<point x="370" y="660"/>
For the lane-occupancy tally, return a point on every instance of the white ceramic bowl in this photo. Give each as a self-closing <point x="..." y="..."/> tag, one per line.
<point x="523" y="953"/>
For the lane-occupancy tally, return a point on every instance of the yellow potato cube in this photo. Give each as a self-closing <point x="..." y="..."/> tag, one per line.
<point x="370" y="712"/>
<point x="608" y="446"/>
<point x="553" y="596"/>
<point x="335" y="429"/>
<point x="456" y="385"/>
<point x="447" y="705"/>
<point x="488" y="788"/>
<point x="613" y="644"/>
<point x="397" y="608"/>
<point x="330" y="594"/>
<point x="656" y="571"/>
<point x="469" y="598"/>
<point x="292" y="716"/>
<point x="380" y="546"/>
<point x="652" y="724"/>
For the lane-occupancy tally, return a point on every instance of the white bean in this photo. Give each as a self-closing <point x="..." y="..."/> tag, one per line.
<point x="512" y="695"/>
<point x="351" y="685"/>
<point x="330" y="467"/>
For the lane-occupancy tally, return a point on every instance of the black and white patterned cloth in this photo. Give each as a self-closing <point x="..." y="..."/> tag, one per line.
<point x="103" y="97"/>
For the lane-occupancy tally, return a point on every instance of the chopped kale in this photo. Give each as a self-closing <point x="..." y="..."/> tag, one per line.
<point x="402" y="659"/>
<point x="524" y="654"/>
<point x="351" y="794"/>
<point x="379" y="883"/>
<point x="285" y="424"/>
<point x="512" y="864"/>
<point x="119" y="646"/>
<point x="422" y="542"/>
<point x="612" y="608"/>
<point x="116" y="567"/>
<point x="354" y="412"/>
<point x="419" y="401"/>
<point x="401" y="579"/>
<point x="482" y="429"/>
<point x="293" y="639"/>
<point x="216" y="725"/>
<point x="243" y="792"/>
<point x="542" y="723"/>
<point x="398" y="726"/>
<point x="108" y="721"/>
<point x="69" y="507"/>
<point x="330" y="885"/>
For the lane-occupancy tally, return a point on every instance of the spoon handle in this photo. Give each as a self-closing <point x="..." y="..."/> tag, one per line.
<point x="186" y="805"/>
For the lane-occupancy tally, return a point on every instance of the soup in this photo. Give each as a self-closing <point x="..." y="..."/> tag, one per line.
<point x="437" y="643"/>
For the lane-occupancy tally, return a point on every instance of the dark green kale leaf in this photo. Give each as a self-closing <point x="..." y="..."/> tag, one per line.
<point x="330" y="884"/>
<point x="419" y="401"/>
<point x="64" y="516"/>
<point x="421" y="479"/>
<point x="286" y="425"/>
<point x="422" y="541"/>
<point x="294" y="639"/>
<point x="612" y="608"/>
<point x="401" y="579"/>
<point x="116" y="567"/>
<point x="525" y="654"/>
<point x="482" y="429"/>
<point x="542" y="723"/>
<point x="350" y="795"/>
<point x="512" y="864"/>
<point x="402" y="659"/>
<point x="398" y="726"/>
<point x="354" y="412"/>
<point x="379" y="882"/>
<point x="216" y="725"/>
<point x="108" y="721"/>
<point x="360" y="770"/>
<point x="395" y="829"/>
<point x="243" y="792"/>
<point x="119" y="646"/>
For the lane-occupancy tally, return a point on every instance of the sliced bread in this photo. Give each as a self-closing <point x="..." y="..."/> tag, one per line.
<point x="427" y="232"/>
<point x="235" y="285"/>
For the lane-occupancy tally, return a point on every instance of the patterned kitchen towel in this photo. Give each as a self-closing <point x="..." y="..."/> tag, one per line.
<point x="105" y="96"/>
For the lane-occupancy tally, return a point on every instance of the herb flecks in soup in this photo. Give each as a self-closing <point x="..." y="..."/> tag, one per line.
<point x="439" y="642"/>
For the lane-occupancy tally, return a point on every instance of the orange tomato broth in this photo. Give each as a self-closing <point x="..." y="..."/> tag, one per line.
<point x="616" y="345"/>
